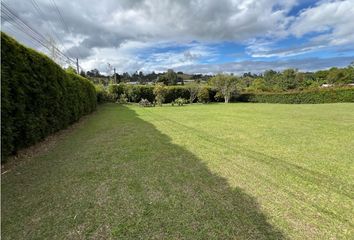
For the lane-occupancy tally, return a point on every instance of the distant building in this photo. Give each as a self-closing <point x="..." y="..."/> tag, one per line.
<point x="326" y="85"/>
<point x="133" y="83"/>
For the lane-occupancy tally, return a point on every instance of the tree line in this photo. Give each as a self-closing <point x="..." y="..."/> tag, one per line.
<point x="268" y="81"/>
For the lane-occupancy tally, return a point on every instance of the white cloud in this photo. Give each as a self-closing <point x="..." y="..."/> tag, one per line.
<point x="306" y="64"/>
<point x="128" y="58"/>
<point x="333" y="18"/>
<point x="120" y="31"/>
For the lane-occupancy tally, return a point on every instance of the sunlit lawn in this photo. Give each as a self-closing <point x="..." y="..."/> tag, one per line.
<point x="236" y="171"/>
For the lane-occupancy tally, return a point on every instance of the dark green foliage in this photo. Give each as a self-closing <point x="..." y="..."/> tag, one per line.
<point x="174" y="92"/>
<point x="134" y="93"/>
<point x="317" y="96"/>
<point x="207" y="94"/>
<point x="292" y="79"/>
<point x="103" y="95"/>
<point x="137" y="92"/>
<point x="203" y="95"/>
<point x="38" y="97"/>
<point x="116" y="90"/>
<point x="146" y="92"/>
<point x="169" y="78"/>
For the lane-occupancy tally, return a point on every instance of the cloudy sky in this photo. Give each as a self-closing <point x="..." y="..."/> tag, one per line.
<point x="194" y="36"/>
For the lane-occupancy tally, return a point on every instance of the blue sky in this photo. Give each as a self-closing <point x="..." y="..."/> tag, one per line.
<point x="196" y="36"/>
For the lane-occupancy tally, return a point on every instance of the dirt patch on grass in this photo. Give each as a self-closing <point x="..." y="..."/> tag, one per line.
<point x="42" y="147"/>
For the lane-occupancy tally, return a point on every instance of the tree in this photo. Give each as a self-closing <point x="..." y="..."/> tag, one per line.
<point x="125" y="77"/>
<point x="203" y="95"/>
<point x="193" y="90"/>
<point x="172" y="77"/>
<point x="162" y="79"/>
<point x="93" y="73"/>
<point x="258" y="84"/>
<point x="117" y="78"/>
<point x="168" y="78"/>
<point x="288" y="79"/>
<point x="270" y="78"/>
<point x="338" y="76"/>
<point x="160" y="91"/>
<point x="82" y="73"/>
<point x="226" y="85"/>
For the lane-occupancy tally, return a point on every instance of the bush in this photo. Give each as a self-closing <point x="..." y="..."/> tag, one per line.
<point x="145" y="103"/>
<point x="203" y="95"/>
<point x="135" y="93"/>
<point x="160" y="91"/>
<point x="316" y="96"/>
<point x="174" y="92"/>
<point x="115" y="90"/>
<point x="180" y="102"/>
<point x="146" y="92"/>
<point x="38" y="97"/>
<point x="123" y="99"/>
<point x="102" y="94"/>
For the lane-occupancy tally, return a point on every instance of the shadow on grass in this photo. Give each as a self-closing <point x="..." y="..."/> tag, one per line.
<point x="129" y="181"/>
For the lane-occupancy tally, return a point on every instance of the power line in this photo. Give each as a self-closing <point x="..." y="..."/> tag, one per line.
<point x="41" y="14"/>
<point x="27" y="29"/>
<point x="51" y="27"/>
<point x="37" y="37"/>
<point x="61" y="19"/>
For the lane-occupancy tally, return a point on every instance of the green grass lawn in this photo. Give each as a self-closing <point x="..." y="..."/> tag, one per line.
<point x="236" y="171"/>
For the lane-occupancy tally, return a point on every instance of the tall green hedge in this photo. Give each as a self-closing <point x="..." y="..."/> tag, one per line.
<point x="137" y="92"/>
<point x="315" y="96"/>
<point x="37" y="96"/>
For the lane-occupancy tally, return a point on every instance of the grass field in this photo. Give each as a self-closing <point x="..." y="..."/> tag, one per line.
<point x="236" y="171"/>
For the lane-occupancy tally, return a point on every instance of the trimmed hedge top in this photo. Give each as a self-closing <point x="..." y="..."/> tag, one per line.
<point x="333" y="95"/>
<point x="38" y="96"/>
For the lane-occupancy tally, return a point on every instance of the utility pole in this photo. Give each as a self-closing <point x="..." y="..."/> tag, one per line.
<point x="115" y="76"/>
<point x="109" y="71"/>
<point x="77" y="66"/>
<point x="53" y="52"/>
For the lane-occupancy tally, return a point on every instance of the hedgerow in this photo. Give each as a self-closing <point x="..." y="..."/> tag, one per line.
<point x="315" y="96"/>
<point x="38" y="97"/>
<point x="137" y="92"/>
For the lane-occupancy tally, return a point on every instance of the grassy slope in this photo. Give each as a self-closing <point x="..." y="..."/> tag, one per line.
<point x="267" y="171"/>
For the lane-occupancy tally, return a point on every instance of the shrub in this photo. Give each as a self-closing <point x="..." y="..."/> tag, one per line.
<point x="146" y="92"/>
<point x="116" y="90"/>
<point x="134" y="93"/>
<point x="102" y="94"/>
<point x="203" y="95"/>
<point x="38" y="97"/>
<point x="180" y="102"/>
<point x="123" y="99"/>
<point x="160" y="91"/>
<point x="145" y="103"/>
<point x="315" y="96"/>
<point x="174" y="92"/>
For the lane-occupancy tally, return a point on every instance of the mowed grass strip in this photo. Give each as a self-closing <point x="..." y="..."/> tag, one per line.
<point x="236" y="171"/>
